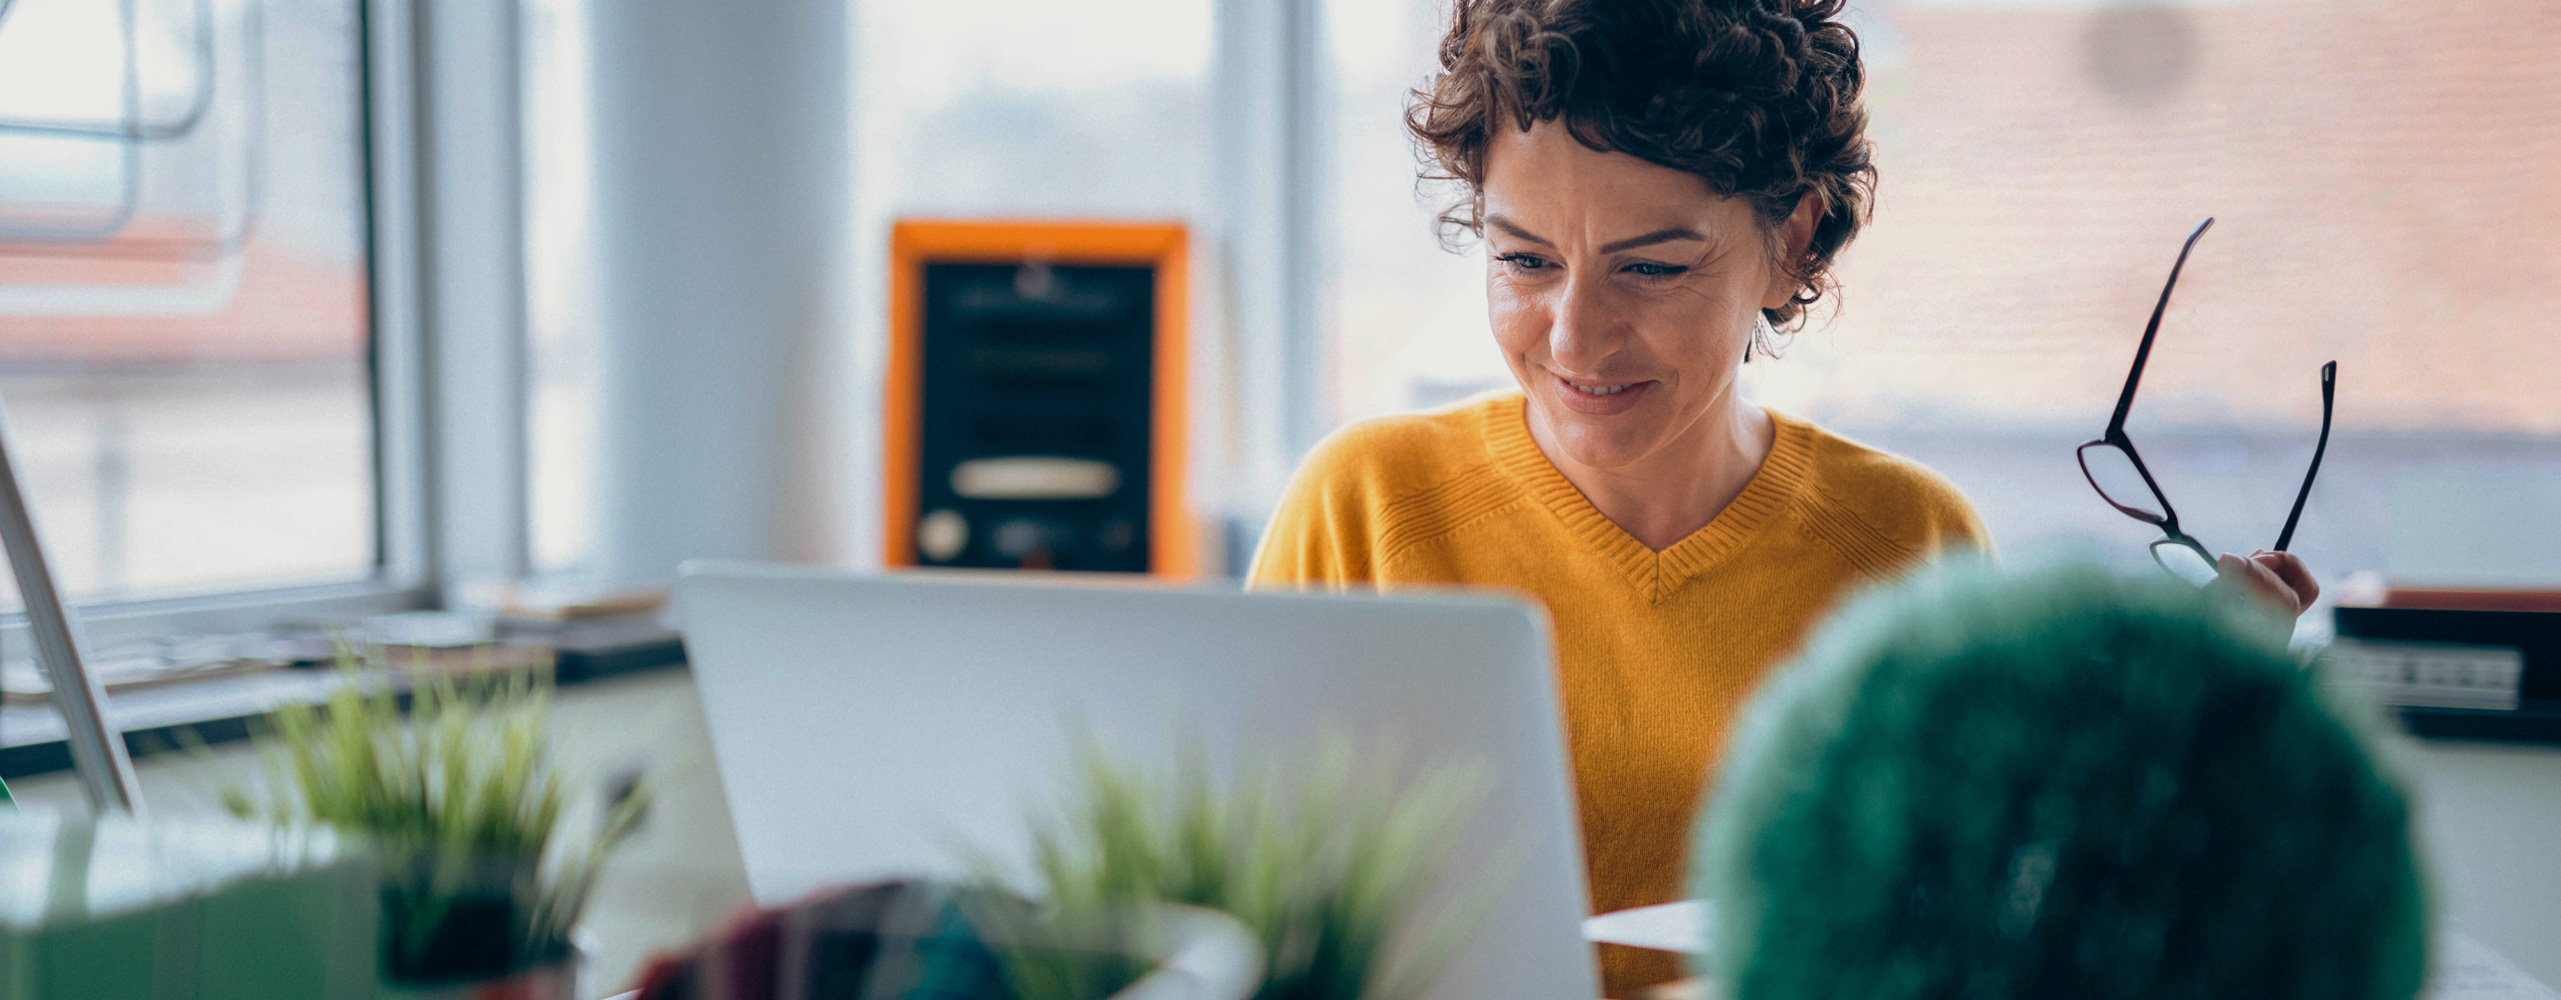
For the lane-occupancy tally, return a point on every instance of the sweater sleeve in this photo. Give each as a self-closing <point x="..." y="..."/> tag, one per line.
<point x="1965" y="532"/>
<point x="1903" y="505"/>
<point x="1956" y="528"/>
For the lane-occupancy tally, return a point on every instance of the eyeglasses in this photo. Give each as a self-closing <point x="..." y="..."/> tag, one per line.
<point x="2117" y="471"/>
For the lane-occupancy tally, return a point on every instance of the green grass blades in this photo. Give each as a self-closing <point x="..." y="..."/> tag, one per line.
<point x="463" y="799"/>
<point x="1330" y="858"/>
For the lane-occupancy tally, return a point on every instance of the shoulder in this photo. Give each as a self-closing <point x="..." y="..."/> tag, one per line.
<point x="1905" y="503"/>
<point x="1372" y="483"/>
<point x="1404" y="453"/>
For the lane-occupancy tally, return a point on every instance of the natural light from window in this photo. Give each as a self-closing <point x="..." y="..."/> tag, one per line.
<point x="183" y="291"/>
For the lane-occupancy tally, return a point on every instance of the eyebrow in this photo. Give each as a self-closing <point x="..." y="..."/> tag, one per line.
<point x="1671" y="235"/>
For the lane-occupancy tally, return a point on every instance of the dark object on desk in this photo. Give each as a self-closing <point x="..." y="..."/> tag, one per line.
<point x="590" y="648"/>
<point x="897" y="939"/>
<point x="2533" y="635"/>
<point x="577" y="649"/>
<point x="2452" y="599"/>
<point x="907" y="939"/>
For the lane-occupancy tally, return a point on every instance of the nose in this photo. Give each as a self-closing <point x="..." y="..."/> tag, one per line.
<point x="1585" y="329"/>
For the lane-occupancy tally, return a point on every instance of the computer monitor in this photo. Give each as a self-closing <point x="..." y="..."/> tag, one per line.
<point x="869" y="725"/>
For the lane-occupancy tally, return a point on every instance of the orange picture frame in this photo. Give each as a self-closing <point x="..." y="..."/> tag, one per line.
<point x="1174" y="542"/>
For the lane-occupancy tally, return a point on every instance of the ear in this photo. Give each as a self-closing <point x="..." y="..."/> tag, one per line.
<point x="1794" y="236"/>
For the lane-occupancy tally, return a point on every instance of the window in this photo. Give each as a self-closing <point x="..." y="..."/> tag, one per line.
<point x="1001" y="109"/>
<point x="1408" y="323"/>
<point x="1020" y="107"/>
<point x="184" y="292"/>
<point x="2382" y="176"/>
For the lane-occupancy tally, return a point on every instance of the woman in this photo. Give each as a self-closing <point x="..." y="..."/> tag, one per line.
<point x="1662" y="185"/>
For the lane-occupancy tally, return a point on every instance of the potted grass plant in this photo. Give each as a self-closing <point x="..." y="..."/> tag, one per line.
<point x="465" y="803"/>
<point x="1329" y="863"/>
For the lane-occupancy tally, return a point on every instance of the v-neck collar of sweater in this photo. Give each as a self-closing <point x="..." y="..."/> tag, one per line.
<point x="1655" y="575"/>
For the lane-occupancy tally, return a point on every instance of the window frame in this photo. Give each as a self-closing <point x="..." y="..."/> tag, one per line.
<point x="443" y="445"/>
<point x="1271" y="85"/>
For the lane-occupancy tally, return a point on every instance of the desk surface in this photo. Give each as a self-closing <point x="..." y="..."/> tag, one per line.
<point x="2490" y="815"/>
<point x="2490" y="822"/>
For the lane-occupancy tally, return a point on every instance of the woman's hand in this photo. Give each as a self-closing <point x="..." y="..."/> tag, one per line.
<point x="2277" y="580"/>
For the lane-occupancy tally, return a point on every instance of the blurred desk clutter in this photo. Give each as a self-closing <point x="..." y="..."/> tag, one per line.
<point x="143" y="664"/>
<point x="169" y="691"/>
<point x="512" y="625"/>
<point x="2457" y="664"/>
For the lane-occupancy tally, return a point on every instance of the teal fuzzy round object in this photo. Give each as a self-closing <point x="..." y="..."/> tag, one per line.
<point x="2062" y="785"/>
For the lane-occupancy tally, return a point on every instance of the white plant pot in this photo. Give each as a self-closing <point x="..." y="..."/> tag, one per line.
<point x="1213" y="956"/>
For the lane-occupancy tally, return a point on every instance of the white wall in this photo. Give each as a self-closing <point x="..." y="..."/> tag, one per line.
<point x="722" y="174"/>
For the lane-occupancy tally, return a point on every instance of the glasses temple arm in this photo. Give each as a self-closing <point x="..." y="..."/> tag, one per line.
<point x="2329" y="391"/>
<point x="2143" y="353"/>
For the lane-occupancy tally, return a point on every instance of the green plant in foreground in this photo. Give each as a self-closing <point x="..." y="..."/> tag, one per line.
<point x="2058" y="784"/>
<point x="1330" y="864"/>
<point x="464" y="803"/>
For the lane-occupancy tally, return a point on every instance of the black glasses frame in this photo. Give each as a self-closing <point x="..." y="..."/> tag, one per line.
<point x="2167" y="518"/>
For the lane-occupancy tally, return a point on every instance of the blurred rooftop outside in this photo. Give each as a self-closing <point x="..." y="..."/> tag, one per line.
<point x="2384" y="175"/>
<point x="184" y="308"/>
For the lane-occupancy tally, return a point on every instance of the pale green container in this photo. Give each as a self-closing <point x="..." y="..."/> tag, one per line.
<point x="189" y="910"/>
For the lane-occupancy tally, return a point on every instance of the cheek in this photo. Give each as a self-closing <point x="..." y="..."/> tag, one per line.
<point x="1700" y="332"/>
<point x="1697" y="331"/>
<point x="1519" y="317"/>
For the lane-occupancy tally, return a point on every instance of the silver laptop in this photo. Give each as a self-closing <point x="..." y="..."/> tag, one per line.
<point x="868" y="725"/>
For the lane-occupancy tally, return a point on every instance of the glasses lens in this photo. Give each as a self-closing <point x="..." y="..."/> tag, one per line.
<point x="2113" y="474"/>
<point x="2184" y="560"/>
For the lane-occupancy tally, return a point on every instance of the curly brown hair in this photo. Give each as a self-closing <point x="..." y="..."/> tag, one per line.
<point x="1760" y="97"/>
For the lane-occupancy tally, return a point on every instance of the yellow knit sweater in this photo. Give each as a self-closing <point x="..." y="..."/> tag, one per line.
<point x="1655" y="650"/>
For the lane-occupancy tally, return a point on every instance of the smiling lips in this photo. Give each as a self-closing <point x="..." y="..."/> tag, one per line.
<point x="1599" y="399"/>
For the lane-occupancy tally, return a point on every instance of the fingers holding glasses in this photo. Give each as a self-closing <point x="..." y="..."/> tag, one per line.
<point x="2278" y="581"/>
<point x="2289" y="568"/>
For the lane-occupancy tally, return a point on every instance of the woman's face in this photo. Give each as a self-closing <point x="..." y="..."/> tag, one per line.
<point x="1622" y="293"/>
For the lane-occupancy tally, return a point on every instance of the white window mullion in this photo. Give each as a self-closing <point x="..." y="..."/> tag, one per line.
<point x="470" y="160"/>
<point x="1270" y="144"/>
